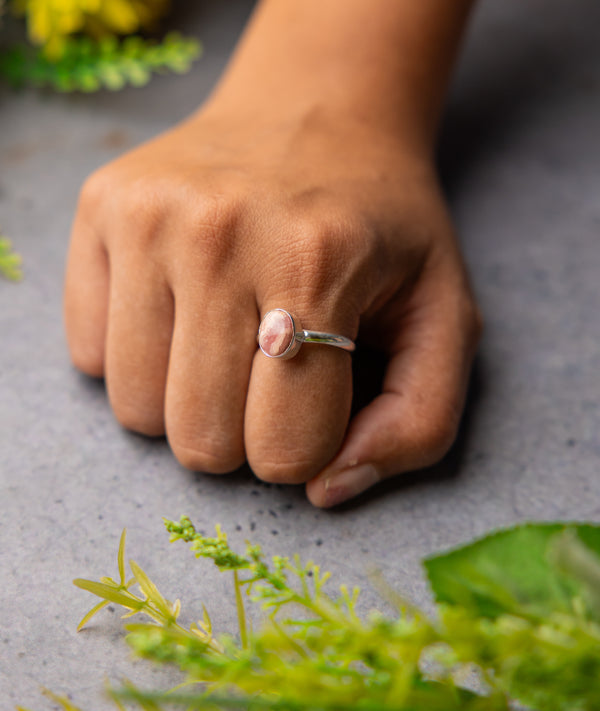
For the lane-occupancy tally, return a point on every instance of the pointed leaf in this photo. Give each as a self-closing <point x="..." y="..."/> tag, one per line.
<point x="149" y="589"/>
<point x="62" y="700"/>
<point x="88" y="616"/>
<point x="131" y="613"/>
<point x="121" y="557"/>
<point x="206" y="621"/>
<point x="107" y="592"/>
<point x="176" y="608"/>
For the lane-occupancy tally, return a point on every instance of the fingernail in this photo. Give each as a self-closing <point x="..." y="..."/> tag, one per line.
<point x="346" y="484"/>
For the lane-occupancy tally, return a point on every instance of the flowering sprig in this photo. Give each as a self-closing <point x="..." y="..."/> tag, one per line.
<point x="51" y="22"/>
<point x="89" y="65"/>
<point x="87" y="45"/>
<point x="519" y="608"/>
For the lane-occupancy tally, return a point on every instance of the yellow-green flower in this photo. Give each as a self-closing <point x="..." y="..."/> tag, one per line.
<point x="51" y="21"/>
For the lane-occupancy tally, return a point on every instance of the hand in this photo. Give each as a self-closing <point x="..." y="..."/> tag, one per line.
<point x="180" y="247"/>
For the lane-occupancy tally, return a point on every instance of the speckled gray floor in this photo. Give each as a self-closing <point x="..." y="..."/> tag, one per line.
<point x="521" y="161"/>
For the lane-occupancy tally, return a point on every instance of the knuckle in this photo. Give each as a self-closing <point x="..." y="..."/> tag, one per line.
<point x="88" y="360"/>
<point x="136" y="205"/>
<point x="327" y="239"/>
<point x="436" y="433"/>
<point x="211" y="456"/>
<point x="140" y="207"/>
<point x="94" y="191"/>
<point x="284" y="471"/>
<point x="217" y="212"/>
<point x="320" y="257"/>
<point x="143" y="419"/>
<point x="214" y="224"/>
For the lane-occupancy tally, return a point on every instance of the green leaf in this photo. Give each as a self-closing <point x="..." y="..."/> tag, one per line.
<point x="110" y="593"/>
<point x="121" y="557"/>
<point x="524" y="604"/>
<point x="10" y="263"/>
<point x="518" y="608"/>
<point x="572" y="557"/>
<point x="151" y="591"/>
<point x="206" y="621"/>
<point x="87" y="65"/>
<point x="511" y="572"/>
<point x="88" y="616"/>
<point x="64" y="702"/>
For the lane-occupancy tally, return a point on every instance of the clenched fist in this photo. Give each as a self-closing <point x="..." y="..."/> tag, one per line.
<point x="180" y="247"/>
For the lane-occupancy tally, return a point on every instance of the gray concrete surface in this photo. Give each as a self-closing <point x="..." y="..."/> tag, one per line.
<point x="521" y="160"/>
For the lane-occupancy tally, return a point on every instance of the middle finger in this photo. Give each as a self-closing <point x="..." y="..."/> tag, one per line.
<point x="209" y="368"/>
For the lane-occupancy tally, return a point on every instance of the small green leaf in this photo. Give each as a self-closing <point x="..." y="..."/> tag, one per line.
<point x="150" y="590"/>
<point x="10" y="263"/>
<point x="88" y="616"/>
<point x="87" y="64"/>
<point x="66" y="705"/>
<point x="121" y="557"/>
<point x="206" y="621"/>
<point x="108" y="592"/>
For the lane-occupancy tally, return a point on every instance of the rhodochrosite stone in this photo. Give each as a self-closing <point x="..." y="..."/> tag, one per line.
<point x="276" y="333"/>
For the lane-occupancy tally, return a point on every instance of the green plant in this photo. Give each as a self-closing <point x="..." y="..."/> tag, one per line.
<point x="50" y="22"/>
<point x="86" y="45"/>
<point x="88" y="65"/>
<point x="10" y="263"/>
<point x="520" y="608"/>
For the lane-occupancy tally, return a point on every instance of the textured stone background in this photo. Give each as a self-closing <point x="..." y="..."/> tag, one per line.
<point x="520" y="156"/>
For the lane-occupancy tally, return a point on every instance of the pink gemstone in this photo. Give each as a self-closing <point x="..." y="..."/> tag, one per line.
<point x="276" y="333"/>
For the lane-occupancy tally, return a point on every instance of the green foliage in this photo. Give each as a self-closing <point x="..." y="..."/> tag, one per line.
<point x="87" y="65"/>
<point x="519" y="608"/>
<point x="525" y="605"/>
<point x="62" y="701"/>
<point x="532" y="571"/>
<point x="10" y="263"/>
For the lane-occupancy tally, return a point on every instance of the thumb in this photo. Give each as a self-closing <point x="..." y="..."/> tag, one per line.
<point x="414" y="421"/>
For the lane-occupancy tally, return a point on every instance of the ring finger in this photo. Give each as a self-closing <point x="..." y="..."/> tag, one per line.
<point x="298" y="409"/>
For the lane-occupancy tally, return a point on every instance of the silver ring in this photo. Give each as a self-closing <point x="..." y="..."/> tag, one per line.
<point x="280" y="336"/>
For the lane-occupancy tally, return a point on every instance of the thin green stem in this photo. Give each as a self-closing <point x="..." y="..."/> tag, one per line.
<point x="241" y="613"/>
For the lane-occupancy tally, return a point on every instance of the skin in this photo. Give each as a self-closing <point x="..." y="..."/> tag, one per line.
<point x="305" y="182"/>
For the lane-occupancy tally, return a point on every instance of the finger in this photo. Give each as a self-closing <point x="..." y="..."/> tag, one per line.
<point x="211" y="356"/>
<point x="86" y="299"/>
<point x="140" y="324"/>
<point x="298" y="409"/>
<point x="413" y="423"/>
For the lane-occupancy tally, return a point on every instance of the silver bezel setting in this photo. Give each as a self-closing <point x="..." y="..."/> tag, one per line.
<point x="302" y="336"/>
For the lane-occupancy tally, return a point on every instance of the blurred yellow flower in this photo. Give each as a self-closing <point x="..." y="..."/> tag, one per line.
<point x="49" y="22"/>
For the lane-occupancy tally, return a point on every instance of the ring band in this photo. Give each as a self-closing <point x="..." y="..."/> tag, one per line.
<point x="280" y="336"/>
